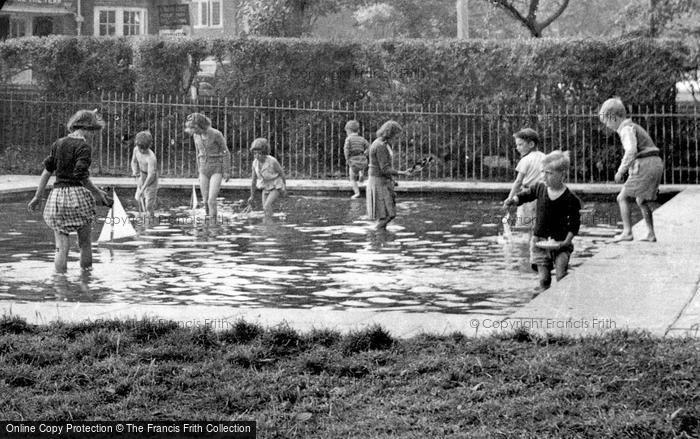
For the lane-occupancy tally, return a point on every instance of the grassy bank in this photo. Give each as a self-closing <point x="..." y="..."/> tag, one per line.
<point x="363" y="384"/>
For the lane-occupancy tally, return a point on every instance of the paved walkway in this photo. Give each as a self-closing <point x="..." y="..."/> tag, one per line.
<point x="636" y="285"/>
<point x="631" y="285"/>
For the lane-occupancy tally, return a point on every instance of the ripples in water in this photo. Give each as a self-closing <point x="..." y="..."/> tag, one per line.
<point x="441" y="254"/>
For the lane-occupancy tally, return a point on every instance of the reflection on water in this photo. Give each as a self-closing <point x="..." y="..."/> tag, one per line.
<point x="441" y="254"/>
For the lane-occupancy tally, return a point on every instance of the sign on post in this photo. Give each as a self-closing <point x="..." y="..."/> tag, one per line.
<point x="172" y="16"/>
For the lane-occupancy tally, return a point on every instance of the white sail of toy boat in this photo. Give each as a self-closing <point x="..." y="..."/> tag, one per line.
<point x="194" y="199"/>
<point x="507" y="232"/>
<point x="117" y="223"/>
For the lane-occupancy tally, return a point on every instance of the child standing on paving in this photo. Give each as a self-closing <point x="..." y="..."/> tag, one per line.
<point x="642" y="163"/>
<point x="355" y="149"/>
<point x="144" y="167"/>
<point x="557" y="218"/>
<point x="268" y="176"/>
<point x="529" y="171"/>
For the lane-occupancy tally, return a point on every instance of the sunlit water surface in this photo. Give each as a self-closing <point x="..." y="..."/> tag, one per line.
<point x="444" y="254"/>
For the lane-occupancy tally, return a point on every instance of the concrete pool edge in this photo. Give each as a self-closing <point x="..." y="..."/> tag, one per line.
<point x="635" y="285"/>
<point x="19" y="186"/>
<point x="399" y="324"/>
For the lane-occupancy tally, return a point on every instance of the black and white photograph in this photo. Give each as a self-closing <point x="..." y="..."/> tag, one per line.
<point x="350" y="218"/>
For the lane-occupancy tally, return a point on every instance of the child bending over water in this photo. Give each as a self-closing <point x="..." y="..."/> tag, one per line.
<point x="268" y="176"/>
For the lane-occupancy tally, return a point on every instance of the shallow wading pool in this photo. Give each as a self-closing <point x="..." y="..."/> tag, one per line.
<point x="443" y="253"/>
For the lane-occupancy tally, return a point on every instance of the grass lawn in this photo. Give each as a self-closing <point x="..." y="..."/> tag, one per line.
<point x="364" y="384"/>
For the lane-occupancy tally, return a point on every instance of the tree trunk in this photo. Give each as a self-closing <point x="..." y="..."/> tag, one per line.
<point x="653" y="26"/>
<point x="462" y="19"/>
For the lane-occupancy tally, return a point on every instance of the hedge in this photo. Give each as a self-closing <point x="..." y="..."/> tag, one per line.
<point x="496" y="88"/>
<point x="483" y="72"/>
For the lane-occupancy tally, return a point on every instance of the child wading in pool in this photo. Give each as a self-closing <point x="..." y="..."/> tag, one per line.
<point x="641" y="162"/>
<point x="529" y="171"/>
<point x="557" y="218"/>
<point x="213" y="159"/>
<point x="381" y="197"/>
<point x="268" y="176"/>
<point x="71" y="203"/>
<point x="144" y="167"/>
<point x="355" y="150"/>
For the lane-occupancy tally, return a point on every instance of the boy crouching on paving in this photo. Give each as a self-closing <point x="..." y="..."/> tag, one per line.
<point x="557" y="218"/>
<point x="144" y="169"/>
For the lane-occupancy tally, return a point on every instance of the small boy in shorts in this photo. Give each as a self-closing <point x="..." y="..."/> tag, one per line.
<point x="355" y="149"/>
<point x="641" y="162"/>
<point x="529" y="171"/>
<point x="144" y="167"/>
<point x="557" y="220"/>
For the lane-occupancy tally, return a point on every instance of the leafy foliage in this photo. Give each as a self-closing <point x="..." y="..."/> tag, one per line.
<point x="68" y="64"/>
<point x="555" y="71"/>
<point x="286" y="18"/>
<point x="668" y="18"/>
<point x="167" y="66"/>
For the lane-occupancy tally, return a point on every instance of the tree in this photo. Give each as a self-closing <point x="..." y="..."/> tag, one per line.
<point x="657" y="18"/>
<point x="529" y="18"/>
<point x="408" y="18"/>
<point x="380" y="19"/>
<point x="288" y="18"/>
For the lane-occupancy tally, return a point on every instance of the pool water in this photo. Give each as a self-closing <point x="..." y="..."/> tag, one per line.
<point x="443" y="253"/>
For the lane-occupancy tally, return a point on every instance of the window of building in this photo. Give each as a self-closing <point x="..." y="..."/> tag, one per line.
<point x="208" y="13"/>
<point x="18" y="27"/>
<point x="43" y="26"/>
<point x="120" y="21"/>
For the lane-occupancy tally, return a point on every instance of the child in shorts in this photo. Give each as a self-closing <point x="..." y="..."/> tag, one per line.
<point x="355" y="149"/>
<point x="641" y="162"/>
<point x="213" y="159"/>
<point x="557" y="218"/>
<point x="529" y="170"/>
<point x="144" y="167"/>
<point x="268" y="176"/>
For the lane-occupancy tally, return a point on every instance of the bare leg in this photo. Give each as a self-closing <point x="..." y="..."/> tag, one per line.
<point x="626" y="215"/>
<point x="355" y="186"/>
<point x="561" y="265"/>
<point x="214" y="186"/>
<point x="648" y="219"/>
<point x="61" y="257"/>
<point x="545" y="274"/>
<point x="269" y="201"/>
<point x="383" y="222"/>
<point x="204" y="190"/>
<point x="85" y="245"/>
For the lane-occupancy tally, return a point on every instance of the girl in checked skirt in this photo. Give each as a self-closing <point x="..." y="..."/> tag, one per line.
<point x="71" y="203"/>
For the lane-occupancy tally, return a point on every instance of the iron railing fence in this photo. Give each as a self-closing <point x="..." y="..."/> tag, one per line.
<point x="468" y="143"/>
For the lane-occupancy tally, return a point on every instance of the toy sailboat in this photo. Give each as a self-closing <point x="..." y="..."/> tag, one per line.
<point x="194" y="201"/>
<point x="194" y="198"/>
<point x="117" y="223"/>
<point x="507" y="232"/>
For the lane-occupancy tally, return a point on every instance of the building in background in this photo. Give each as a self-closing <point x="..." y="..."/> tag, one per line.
<point x="37" y="17"/>
<point x="20" y="18"/>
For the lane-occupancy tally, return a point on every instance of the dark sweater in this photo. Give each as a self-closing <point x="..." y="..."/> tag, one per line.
<point x="555" y="218"/>
<point x="70" y="159"/>
<point x="380" y="160"/>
